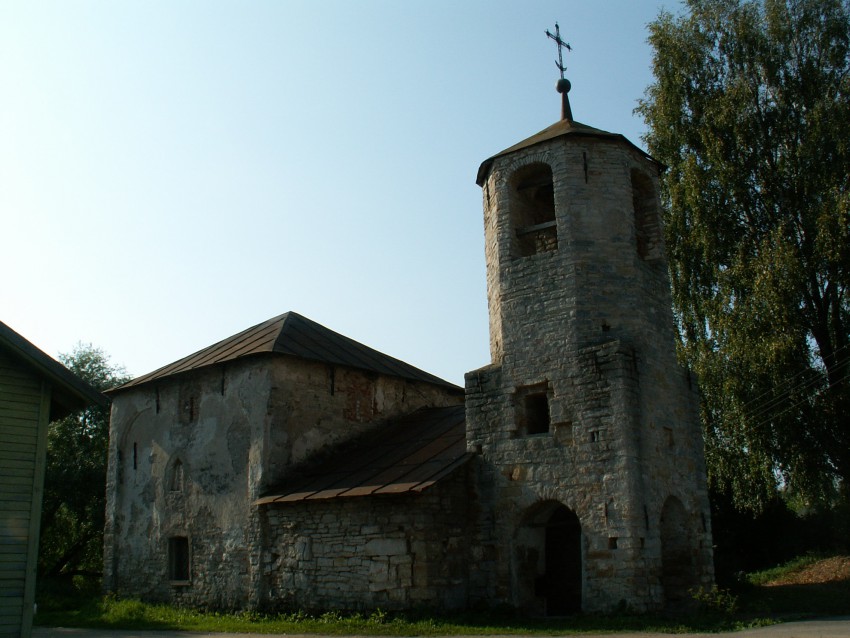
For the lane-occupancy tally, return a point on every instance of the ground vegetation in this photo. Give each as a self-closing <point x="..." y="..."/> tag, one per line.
<point x="71" y="543"/>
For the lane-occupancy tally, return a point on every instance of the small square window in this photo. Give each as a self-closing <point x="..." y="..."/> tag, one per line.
<point x="537" y="413"/>
<point x="532" y="405"/>
<point x="178" y="559"/>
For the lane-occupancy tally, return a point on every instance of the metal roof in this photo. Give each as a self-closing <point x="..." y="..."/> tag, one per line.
<point x="295" y="335"/>
<point x="69" y="392"/>
<point x="408" y="455"/>
<point x="560" y="128"/>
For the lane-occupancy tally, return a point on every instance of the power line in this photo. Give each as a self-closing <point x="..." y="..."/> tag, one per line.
<point x="755" y="418"/>
<point x="789" y="388"/>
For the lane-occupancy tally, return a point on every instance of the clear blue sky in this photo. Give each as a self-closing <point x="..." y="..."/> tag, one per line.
<point x="174" y="172"/>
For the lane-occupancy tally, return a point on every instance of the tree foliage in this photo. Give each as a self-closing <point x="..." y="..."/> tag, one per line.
<point x="75" y="476"/>
<point x="750" y="110"/>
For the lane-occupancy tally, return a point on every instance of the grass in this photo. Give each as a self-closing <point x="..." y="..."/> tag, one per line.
<point x="783" y="571"/>
<point x="132" y="614"/>
<point x="794" y="598"/>
<point x="751" y="604"/>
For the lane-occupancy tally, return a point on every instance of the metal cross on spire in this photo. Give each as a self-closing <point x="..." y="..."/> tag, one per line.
<point x="561" y="46"/>
<point x="563" y="85"/>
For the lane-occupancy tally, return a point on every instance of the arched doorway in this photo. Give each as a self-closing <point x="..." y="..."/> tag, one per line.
<point x="677" y="565"/>
<point x="549" y="560"/>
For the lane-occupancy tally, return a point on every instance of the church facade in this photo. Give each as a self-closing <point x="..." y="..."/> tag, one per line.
<point x="291" y="467"/>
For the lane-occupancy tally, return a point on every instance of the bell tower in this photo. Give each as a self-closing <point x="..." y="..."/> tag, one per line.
<point x="590" y="457"/>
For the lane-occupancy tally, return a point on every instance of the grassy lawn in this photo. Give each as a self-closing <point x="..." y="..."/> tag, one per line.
<point x="760" y="600"/>
<point x="131" y="614"/>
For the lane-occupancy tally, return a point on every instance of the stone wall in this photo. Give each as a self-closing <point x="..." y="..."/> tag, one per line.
<point x="365" y="553"/>
<point x="181" y="453"/>
<point x="582" y="464"/>
<point x="189" y="455"/>
<point x="315" y="406"/>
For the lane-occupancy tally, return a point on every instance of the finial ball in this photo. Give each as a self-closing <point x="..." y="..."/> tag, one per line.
<point x="563" y="85"/>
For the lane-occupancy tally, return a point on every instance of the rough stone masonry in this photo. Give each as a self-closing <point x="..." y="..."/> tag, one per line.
<point x="584" y="422"/>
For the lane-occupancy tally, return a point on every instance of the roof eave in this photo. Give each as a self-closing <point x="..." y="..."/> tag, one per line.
<point x="572" y="131"/>
<point x="70" y="392"/>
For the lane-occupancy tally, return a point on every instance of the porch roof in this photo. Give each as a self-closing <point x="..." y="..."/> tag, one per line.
<point x="409" y="454"/>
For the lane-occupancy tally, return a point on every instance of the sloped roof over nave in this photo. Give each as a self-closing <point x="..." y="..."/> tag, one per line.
<point x="295" y="335"/>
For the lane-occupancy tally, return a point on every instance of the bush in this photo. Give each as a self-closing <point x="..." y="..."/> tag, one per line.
<point x="716" y="601"/>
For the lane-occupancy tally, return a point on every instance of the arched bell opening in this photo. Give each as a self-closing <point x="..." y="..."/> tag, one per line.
<point x="647" y="227"/>
<point x="532" y="204"/>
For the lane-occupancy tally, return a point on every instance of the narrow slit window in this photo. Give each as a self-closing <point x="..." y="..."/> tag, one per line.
<point x="177" y="476"/>
<point x="189" y="401"/>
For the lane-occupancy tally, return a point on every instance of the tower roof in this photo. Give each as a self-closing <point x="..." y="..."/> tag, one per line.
<point x="564" y="127"/>
<point x="294" y="335"/>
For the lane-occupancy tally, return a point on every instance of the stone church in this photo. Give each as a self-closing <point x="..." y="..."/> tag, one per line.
<point x="289" y="466"/>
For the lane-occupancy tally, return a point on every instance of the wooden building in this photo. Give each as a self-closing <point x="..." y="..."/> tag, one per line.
<point x="34" y="389"/>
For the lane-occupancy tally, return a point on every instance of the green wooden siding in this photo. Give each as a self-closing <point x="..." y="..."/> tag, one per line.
<point x="24" y="407"/>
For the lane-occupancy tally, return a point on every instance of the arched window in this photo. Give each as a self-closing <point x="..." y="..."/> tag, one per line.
<point x="178" y="478"/>
<point x="532" y="202"/>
